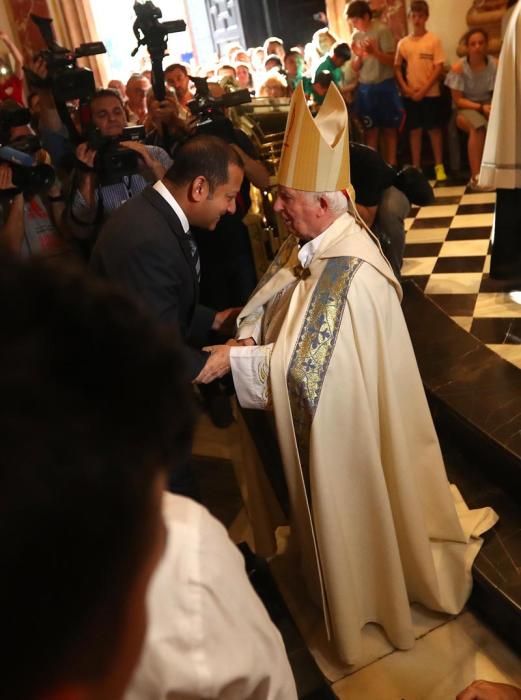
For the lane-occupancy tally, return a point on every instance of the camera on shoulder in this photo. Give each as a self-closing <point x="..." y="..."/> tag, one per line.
<point x="29" y="177"/>
<point x="114" y="162"/>
<point x="66" y="80"/>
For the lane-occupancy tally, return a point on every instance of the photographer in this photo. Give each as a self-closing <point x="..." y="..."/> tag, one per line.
<point x="136" y="91"/>
<point x="176" y="77"/>
<point x="30" y="220"/>
<point x="384" y="197"/>
<point x="47" y="122"/>
<point x="163" y="124"/>
<point x="90" y="201"/>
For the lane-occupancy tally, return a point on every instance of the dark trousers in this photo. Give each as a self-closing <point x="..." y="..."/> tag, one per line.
<point x="506" y="249"/>
<point x="182" y="479"/>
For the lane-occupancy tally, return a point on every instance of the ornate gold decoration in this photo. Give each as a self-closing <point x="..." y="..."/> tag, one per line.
<point x="314" y="348"/>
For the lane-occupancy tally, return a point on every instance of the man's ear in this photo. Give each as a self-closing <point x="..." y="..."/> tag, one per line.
<point x="199" y="189"/>
<point x="324" y="206"/>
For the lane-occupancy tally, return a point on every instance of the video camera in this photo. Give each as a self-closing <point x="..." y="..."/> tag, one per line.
<point x="65" y="78"/>
<point x="27" y="175"/>
<point x="113" y="162"/>
<point x="149" y="31"/>
<point x="209" y="110"/>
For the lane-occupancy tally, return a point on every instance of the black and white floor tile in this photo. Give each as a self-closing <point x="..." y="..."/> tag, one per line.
<point x="447" y="253"/>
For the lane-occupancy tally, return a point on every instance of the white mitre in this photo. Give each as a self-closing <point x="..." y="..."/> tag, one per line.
<point x="315" y="151"/>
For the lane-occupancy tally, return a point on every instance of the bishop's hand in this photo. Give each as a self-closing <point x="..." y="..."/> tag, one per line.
<point x="217" y="365"/>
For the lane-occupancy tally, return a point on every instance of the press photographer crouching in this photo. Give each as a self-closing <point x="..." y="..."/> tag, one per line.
<point x="31" y="202"/>
<point x="107" y="175"/>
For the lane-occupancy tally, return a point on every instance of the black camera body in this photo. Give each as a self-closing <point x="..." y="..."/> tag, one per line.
<point x="114" y="162"/>
<point x="28" y="177"/>
<point x="209" y="110"/>
<point x="65" y="78"/>
<point x="150" y="31"/>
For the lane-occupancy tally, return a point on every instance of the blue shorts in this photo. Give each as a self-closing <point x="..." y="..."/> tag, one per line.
<point x="379" y="104"/>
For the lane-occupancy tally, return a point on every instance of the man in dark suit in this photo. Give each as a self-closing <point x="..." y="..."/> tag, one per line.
<point x="146" y="246"/>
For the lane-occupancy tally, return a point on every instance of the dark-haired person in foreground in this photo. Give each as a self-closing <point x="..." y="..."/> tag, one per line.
<point x="80" y="504"/>
<point x="102" y="393"/>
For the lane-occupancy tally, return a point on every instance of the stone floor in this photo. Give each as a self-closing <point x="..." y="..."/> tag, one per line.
<point x="447" y="253"/>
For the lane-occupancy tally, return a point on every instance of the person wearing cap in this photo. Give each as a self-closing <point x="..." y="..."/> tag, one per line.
<point x="323" y="343"/>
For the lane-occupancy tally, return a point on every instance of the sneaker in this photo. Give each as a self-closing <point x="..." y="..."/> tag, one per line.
<point x="439" y="170"/>
<point x="476" y="187"/>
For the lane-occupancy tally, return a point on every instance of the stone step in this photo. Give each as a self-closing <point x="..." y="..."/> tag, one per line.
<point x="475" y="398"/>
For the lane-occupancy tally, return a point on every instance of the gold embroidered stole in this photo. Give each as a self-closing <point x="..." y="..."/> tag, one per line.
<point x="278" y="276"/>
<point x="314" y="349"/>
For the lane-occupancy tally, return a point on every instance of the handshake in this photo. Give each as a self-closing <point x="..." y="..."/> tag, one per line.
<point x="218" y="362"/>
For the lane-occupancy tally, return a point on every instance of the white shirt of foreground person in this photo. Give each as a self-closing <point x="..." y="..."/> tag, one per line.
<point x="209" y="635"/>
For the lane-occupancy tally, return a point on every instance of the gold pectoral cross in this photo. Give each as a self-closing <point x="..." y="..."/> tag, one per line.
<point x="301" y="272"/>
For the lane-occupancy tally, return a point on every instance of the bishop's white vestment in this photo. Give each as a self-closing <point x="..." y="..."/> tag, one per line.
<point x="371" y="508"/>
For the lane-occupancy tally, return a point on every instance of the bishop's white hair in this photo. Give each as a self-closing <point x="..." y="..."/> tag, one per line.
<point x="337" y="202"/>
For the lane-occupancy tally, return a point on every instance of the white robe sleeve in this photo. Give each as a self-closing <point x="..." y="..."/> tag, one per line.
<point x="250" y="369"/>
<point x="250" y="329"/>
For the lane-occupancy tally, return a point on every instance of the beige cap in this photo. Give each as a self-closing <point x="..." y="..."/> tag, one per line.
<point x="315" y="152"/>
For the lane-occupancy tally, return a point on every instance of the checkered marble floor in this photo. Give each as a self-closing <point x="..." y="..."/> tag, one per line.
<point x="447" y="253"/>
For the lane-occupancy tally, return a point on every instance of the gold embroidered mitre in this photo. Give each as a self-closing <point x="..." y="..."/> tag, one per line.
<point x="315" y="152"/>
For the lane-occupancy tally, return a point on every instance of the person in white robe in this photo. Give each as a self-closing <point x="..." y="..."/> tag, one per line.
<point x="323" y="343"/>
<point x="209" y="635"/>
<point x="501" y="163"/>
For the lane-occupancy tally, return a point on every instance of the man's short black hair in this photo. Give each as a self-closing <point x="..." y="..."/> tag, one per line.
<point x="342" y="51"/>
<point x="94" y="404"/>
<point x="358" y="8"/>
<point x="173" y="66"/>
<point x="208" y="156"/>
<point x="324" y="78"/>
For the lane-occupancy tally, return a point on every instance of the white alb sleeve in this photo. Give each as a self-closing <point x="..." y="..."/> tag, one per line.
<point x="250" y="370"/>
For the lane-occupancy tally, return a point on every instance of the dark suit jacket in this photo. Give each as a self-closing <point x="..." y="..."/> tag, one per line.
<point x="143" y="247"/>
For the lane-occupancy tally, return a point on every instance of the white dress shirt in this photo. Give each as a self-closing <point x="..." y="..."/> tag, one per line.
<point x="209" y="635"/>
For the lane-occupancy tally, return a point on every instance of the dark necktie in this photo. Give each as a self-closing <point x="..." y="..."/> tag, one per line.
<point x="195" y="254"/>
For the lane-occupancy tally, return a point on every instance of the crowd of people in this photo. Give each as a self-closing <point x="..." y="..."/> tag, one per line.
<point x="389" y="87"/>
<point x="98" y="367"/>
